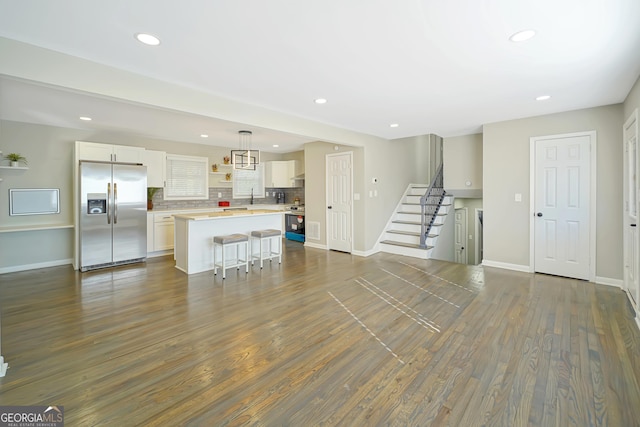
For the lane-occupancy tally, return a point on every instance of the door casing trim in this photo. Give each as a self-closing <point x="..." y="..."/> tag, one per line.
<point x="592" y="196"/>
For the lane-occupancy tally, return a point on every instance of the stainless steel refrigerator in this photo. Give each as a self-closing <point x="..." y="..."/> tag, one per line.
<point x="113" y="214"/>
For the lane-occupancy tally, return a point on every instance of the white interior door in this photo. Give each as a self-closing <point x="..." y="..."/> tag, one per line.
<point x="562" y="205"/>
<point x="631" y="208"/>
<point x="339" y="201"/>
<point x="460" y="236"/>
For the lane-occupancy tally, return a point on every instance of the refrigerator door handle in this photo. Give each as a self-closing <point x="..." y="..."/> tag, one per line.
<point x="115" y="203"/>
<point x="109" y="203"/>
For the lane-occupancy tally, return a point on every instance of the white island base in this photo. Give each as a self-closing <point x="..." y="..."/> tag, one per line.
<point x="194" y="234"/>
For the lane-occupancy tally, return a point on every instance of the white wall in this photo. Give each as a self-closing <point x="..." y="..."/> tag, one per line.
<point x="506" y="172"/>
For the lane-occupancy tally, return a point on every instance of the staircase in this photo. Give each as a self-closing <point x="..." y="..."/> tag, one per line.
<point x="402" y="235"/>
<point x="419" y="219"/>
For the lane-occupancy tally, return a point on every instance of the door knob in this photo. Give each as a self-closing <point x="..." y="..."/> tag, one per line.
<point x="539" y="214"/>
<point x="633" y="225"/>
<point x="328" y="207"/>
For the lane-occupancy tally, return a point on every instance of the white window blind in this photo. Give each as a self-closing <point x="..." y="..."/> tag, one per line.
<point x="245" y="180"/>
<point x="187" y="178"/>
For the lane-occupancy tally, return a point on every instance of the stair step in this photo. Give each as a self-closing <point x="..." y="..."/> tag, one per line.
<point x="406" y="222"/>
<point x="406" y="245"/>
<point x="405" y="233"/>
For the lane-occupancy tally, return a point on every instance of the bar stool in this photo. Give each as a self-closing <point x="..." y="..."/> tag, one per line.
<point x="229" y="241"/>
<point x="266" y="236"/>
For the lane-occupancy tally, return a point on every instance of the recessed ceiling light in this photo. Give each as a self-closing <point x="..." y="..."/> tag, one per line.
<point x="320" y="101"/>
<point x="85" y="118"/>
<point x="275" y="146"/>
<point x="543" y="97"/>
<point x="204" y="135"/>
<point x="394" y="125"/>
<point x="523" y="35"/>
<point x="147" y="39"/>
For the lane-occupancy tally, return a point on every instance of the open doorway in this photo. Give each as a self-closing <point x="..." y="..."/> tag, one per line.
<point x="479" y="234"/>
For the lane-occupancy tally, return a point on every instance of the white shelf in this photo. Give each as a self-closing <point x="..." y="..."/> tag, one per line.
<point x="34" y="228"/>
<point x="24" y="168"/>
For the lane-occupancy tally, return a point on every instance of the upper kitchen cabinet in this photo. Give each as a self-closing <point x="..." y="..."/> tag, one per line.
<point x="155" y="161"/>
<point x="280" y="174"/>
<point x="108" y="152"/>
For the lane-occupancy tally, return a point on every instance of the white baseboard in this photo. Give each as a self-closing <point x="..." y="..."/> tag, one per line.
<point x="3" y="367"/>
<point x="609" y="282"/>
<point x="24" y="267"/>
<point x="315" y="245"/>
<point x="506" y="266"/>
<point x="365" y="254"/>
<point x="159" y="253"/>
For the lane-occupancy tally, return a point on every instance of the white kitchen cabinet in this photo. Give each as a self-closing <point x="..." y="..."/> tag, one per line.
<point x="159" y="232"/>
<point x="163" y="231"/>
<point x="150" y="231"/>
<point x="155" y="161"/>
<point x="108" y="152"/>
<point x="280" y="173"/>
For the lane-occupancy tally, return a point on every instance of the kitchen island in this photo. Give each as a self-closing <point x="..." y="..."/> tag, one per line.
<point x="194" y="233"/>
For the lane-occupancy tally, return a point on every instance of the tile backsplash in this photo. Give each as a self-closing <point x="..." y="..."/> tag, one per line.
<point x="289" y="195"/>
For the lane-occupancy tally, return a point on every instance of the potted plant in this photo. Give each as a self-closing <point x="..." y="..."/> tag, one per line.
<point x="226" y="160"/>
<point x="15" y="159"/>
<point x="151" y="191"/>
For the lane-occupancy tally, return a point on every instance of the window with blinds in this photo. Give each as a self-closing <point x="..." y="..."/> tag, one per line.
<point x="187" y="178"/>
<point x="246" y="180"/>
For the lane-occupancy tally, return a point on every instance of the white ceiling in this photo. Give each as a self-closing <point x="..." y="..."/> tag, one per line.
<point x="443" y="67"/>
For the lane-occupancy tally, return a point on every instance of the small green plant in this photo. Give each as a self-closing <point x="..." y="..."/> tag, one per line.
<point x="16" y="157"/>
<point x="151" y="191"/>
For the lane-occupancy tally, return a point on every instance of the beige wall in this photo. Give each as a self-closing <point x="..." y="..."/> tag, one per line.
<point x="463" y="162"/>
<point x="633" y="100"/>
<point x="315" y="193"/>
<point x="49" y="151"/>
<point x="395" y="164"/>
<point x="506" y="172"/>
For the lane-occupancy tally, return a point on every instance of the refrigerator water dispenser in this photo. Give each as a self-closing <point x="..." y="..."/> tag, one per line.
<point x="96" y="204"/>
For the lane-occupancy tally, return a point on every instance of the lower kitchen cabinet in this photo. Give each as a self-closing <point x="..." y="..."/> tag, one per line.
<point x="163" y="231"/>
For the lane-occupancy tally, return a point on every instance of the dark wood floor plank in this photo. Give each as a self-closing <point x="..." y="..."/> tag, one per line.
<point x="325" y="338"/>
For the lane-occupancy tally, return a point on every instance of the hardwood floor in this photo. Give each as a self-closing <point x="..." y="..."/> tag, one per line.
<point x="326" y="338"/>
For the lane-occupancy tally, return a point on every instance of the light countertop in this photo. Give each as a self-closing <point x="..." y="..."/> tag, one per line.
<point x="201" y="216"/>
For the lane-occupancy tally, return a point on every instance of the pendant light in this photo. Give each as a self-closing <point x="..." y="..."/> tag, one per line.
<point x="245" y="157"/>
